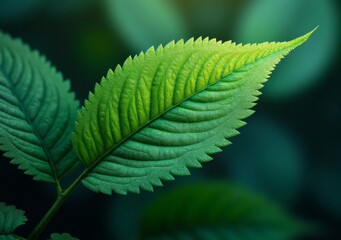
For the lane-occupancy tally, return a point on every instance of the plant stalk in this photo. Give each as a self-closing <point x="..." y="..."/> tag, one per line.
<point x="47" y="218"/>
<point x="62" y="196"/>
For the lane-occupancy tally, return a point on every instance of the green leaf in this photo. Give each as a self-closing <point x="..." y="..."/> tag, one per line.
<point x="37" y="112"/>
<point x="62" y="236"/>
<point x="10" y="219"/>
<point x="123" y="216"/>
<point x="216" y="211"/>
<point x="166" y="110"/>
<point x="145" y="23"/>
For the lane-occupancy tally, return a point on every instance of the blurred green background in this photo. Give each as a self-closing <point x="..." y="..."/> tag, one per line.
<point x="290" y="149"/>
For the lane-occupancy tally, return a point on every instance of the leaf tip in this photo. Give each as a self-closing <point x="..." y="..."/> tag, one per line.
<point x="300" y="40"/>
<point x="306" y="36"/>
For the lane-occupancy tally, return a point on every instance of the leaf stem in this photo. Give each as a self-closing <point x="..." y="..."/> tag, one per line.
<point x="47" y="218"/>
<point x="62" y="196"/>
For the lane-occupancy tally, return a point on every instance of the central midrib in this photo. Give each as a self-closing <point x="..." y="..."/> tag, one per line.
<point x="107" y="153"/>
<point x="33" y="127"/>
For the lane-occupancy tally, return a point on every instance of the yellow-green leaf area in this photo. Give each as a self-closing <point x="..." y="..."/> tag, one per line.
<point x="167" y="109"/>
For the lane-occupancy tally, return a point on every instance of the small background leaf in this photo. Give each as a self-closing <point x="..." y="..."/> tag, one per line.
<point x="10" y="219"/>
<point x="267" y="20"/>
<point x="62" y="236"/>
<point x="122" y="222"/>
<point x="145" y="23"/>
<point x="216" y="211"/>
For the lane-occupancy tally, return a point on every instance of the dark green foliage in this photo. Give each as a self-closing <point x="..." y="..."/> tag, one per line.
<point x="216" y="211"/>
<point x="37" y="112"/>
<point x="62" y="236"/>
<point x="160" y="113"/>
<point x="10" y="219"/>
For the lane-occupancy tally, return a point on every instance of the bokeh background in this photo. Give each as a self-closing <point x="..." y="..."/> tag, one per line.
<point x="290" y="149"/>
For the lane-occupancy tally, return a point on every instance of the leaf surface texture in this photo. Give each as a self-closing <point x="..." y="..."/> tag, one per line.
<point x="10" y="219"/>
<point x="168" y="109"/>
<point x="37" y="112"/>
